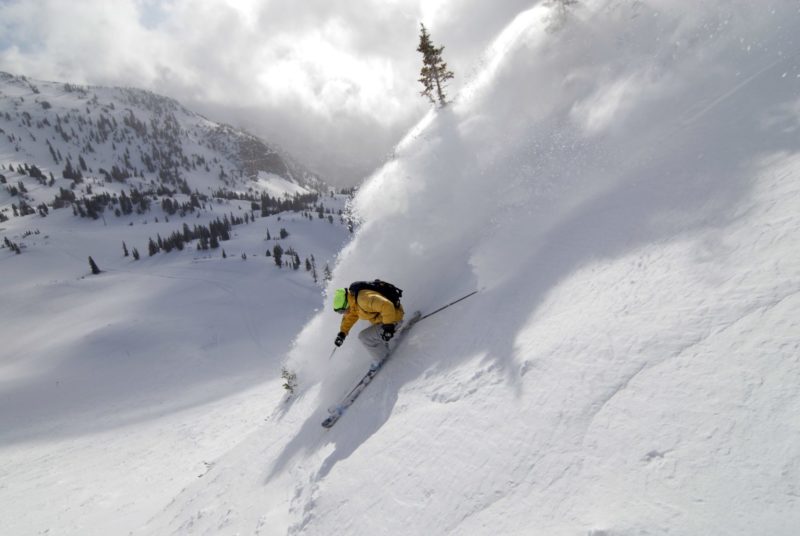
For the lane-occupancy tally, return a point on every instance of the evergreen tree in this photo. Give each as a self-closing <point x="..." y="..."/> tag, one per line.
<point x="135" y="254"/>
<point x="124" y="249"/>
<point x="277" y="254"/>
<point x="290" y="380"/>
<point x="313" y="269"/>
<point x="93" y="266"/>
<point x="294" y="259"/>
<point x="434" y="73"/>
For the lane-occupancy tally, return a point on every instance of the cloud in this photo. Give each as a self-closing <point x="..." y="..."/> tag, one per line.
<point x="333" y="81"/>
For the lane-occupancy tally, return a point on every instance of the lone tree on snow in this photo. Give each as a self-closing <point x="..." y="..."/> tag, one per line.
<point x="93" y="266"/>
<point x="434" y="71"/>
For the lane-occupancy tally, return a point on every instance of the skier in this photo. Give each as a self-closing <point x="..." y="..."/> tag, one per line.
<point x="378" y="302"/>
<point x="363" y="301"/>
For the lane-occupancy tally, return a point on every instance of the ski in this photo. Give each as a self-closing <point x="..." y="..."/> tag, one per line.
<point x="337" y="411"/>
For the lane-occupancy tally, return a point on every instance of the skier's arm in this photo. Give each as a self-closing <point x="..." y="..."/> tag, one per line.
<point x="349" y="320"/>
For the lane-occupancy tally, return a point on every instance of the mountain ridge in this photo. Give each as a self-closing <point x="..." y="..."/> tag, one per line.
<point x="151" y="136"/>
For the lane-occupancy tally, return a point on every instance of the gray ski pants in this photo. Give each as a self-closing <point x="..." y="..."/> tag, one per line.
<point x="371" y="338"/>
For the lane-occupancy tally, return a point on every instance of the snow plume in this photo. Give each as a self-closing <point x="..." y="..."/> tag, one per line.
<point x="620" y="184"/>
<point x="619" y="126"/>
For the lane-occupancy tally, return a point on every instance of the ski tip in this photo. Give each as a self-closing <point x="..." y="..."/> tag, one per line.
<point x="335" y="413"/>
<point x="330" y="421"/>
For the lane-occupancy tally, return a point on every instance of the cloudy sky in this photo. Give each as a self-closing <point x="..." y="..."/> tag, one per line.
<point x="332" y="81"/>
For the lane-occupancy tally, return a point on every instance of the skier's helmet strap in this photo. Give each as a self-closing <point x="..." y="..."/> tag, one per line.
<point x="340" y="300"/>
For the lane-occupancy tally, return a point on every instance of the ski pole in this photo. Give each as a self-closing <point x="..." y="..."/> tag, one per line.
<point x="448" y="305"/>
<point x="334" y="351"/>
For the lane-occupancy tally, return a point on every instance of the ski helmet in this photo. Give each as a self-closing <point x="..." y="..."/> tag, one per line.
<point x="340" y="300"/>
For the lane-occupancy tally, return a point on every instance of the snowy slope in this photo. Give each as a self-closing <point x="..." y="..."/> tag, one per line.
<point x="117" y="388"/>
<point x="623" y="186"/>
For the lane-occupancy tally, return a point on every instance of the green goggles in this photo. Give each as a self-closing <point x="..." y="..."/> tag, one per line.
<point x="340" y="300"/>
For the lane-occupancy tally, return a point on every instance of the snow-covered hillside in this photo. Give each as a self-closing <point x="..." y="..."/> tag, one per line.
<point x="124" y="133"/>
<point x="623" y="187"/>
<point x="133" y="157"/>
<point x="105" y="377"/>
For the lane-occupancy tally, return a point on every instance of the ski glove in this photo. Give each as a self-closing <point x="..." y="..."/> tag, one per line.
<point x="340" y="338"/>
<point x="388" y="332"/>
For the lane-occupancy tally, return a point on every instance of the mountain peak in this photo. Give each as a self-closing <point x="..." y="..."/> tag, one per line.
<point x="145" y="134"/>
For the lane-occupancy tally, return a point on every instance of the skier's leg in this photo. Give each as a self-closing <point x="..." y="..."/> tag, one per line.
<point x="371" y="338"/>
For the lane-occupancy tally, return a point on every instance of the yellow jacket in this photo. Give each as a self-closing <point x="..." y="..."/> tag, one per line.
<point x="370" y="306"/>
